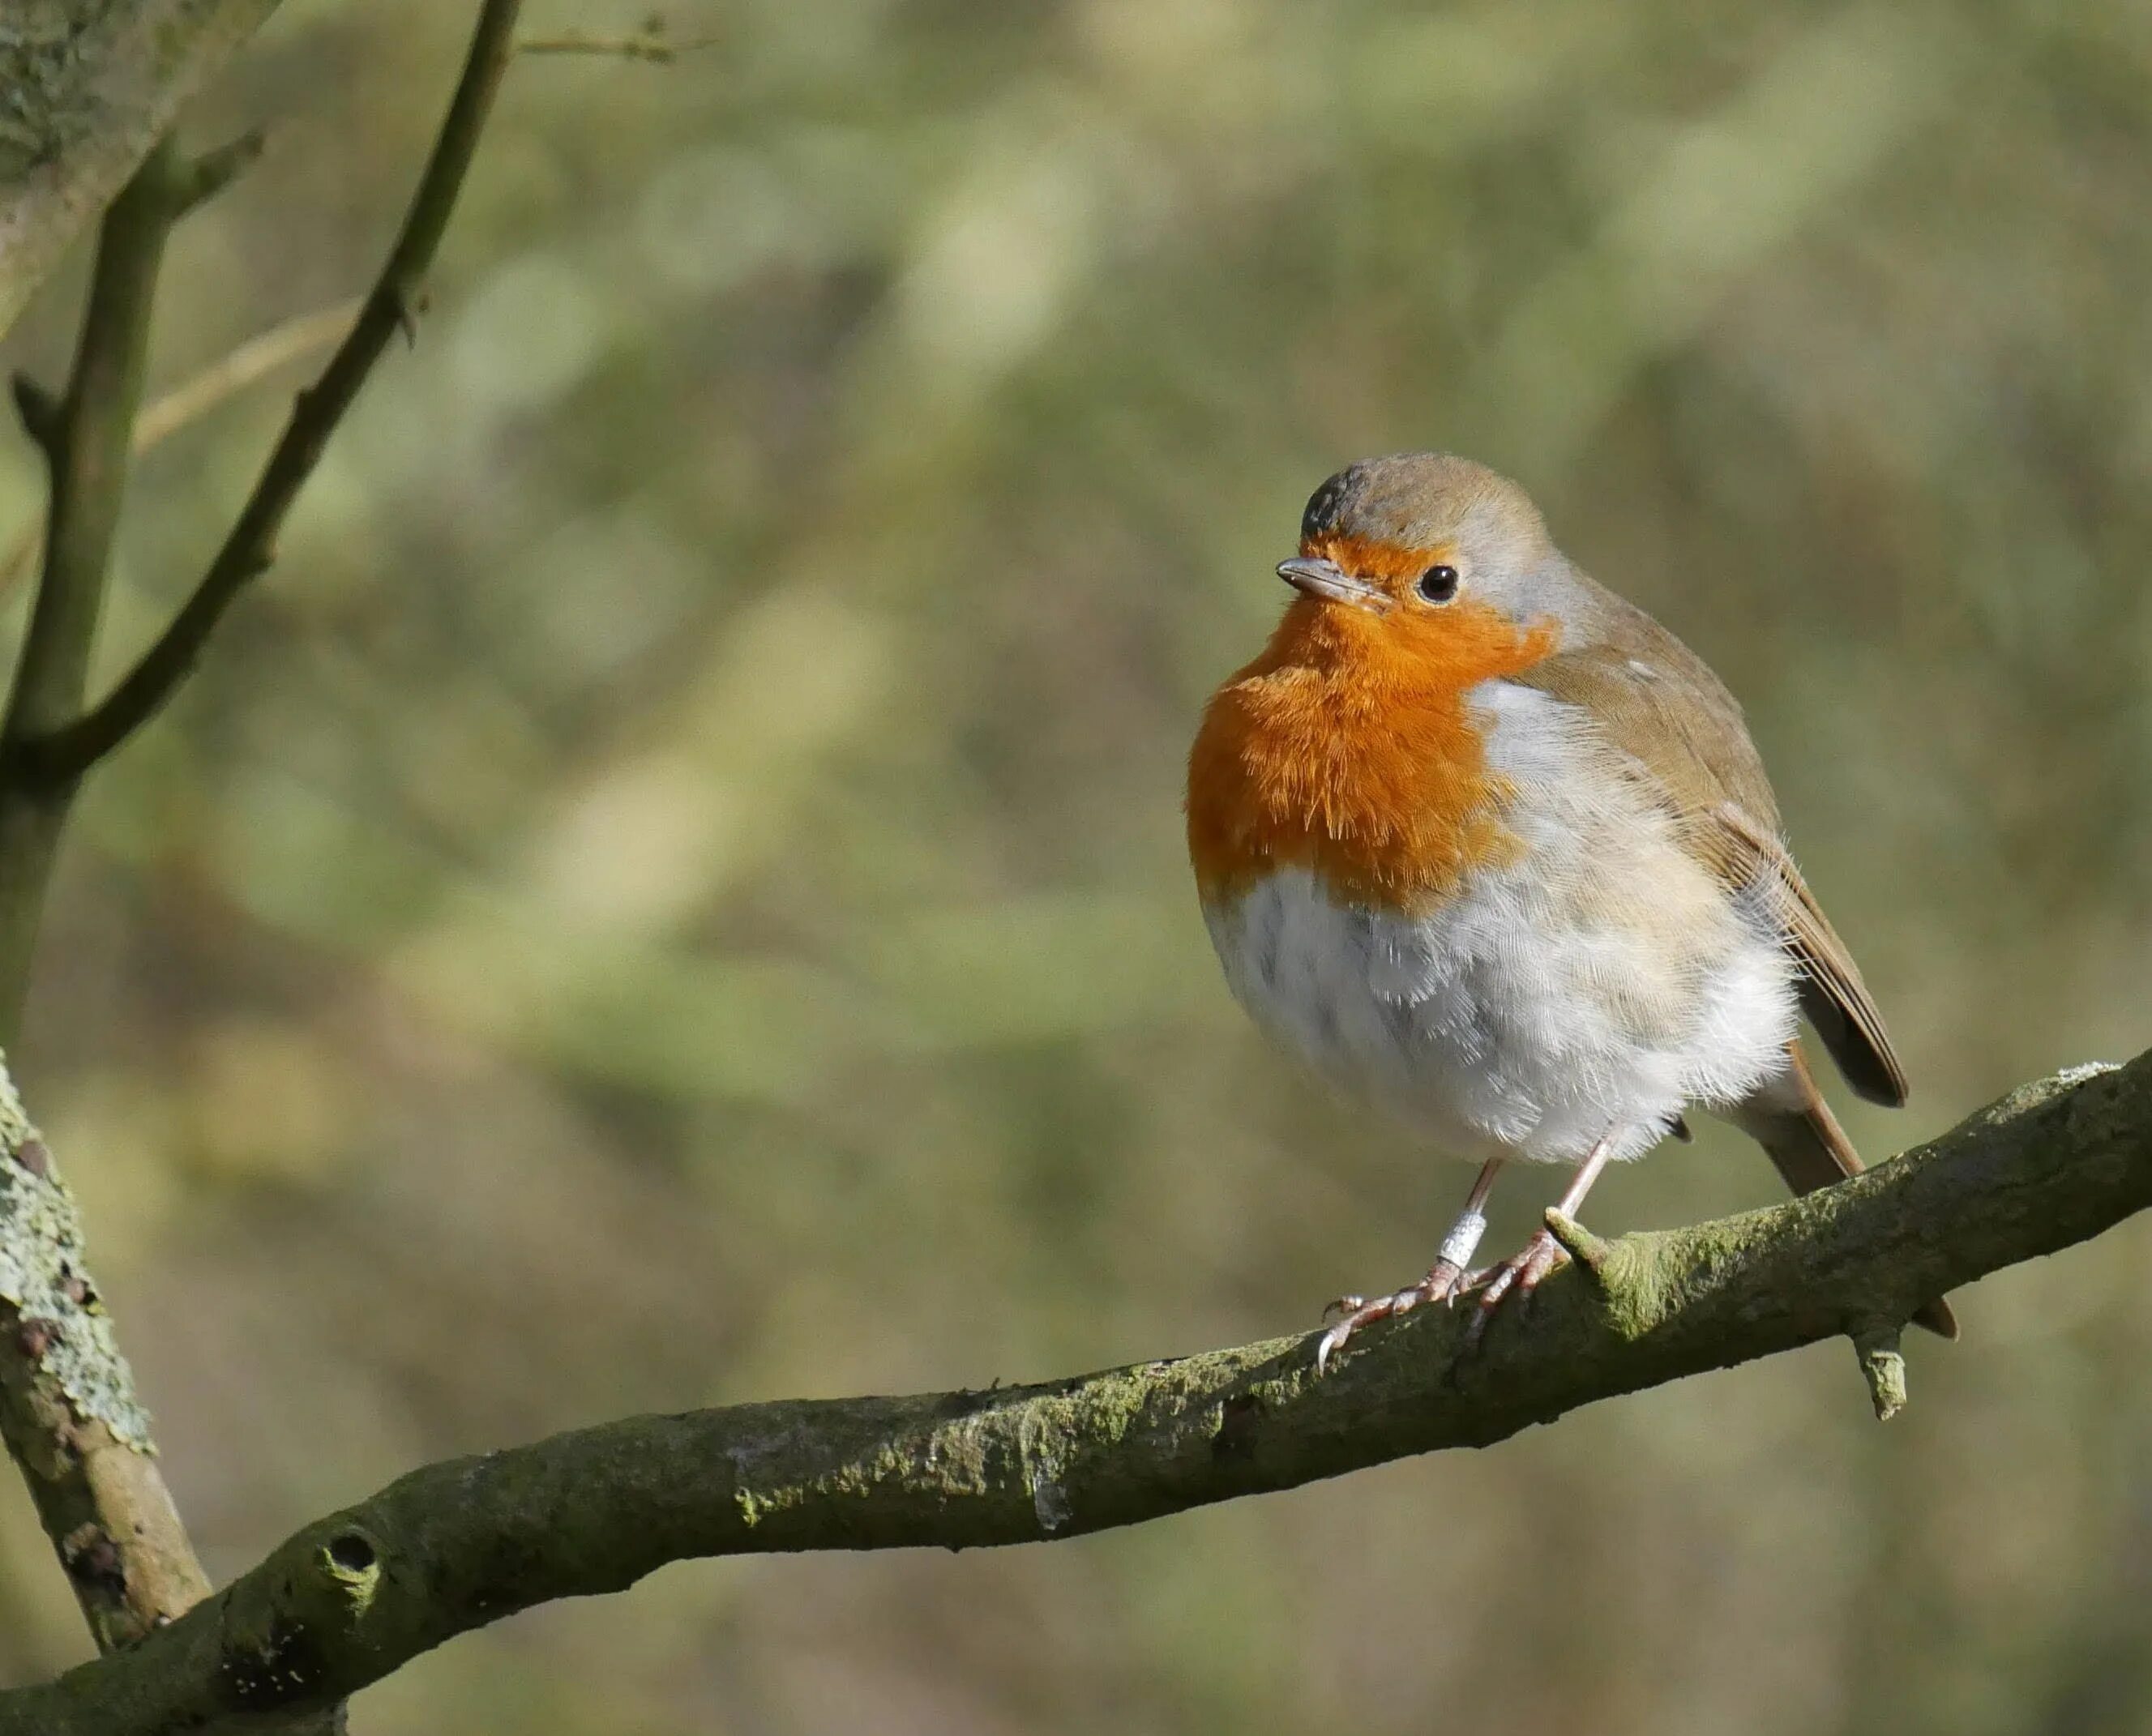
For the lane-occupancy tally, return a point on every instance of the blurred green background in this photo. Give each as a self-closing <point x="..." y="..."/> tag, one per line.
<point x="671" y="891"/>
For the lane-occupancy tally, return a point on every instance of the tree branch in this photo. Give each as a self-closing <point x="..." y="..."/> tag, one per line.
<point x="652" y="45"/>
<point x="189" y="401"/>
<point x="68" y="1406"/>
<point x="90" y="86"/>
<point x="450" y="1548"/>
<point x="214" y="170"/>
<point x="84" y="436"/>
<point x="66" y="1403"/>
<point x="68" y="749"/>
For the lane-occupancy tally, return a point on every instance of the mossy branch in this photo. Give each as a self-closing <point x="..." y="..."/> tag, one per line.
<point x="450" y="1548"/>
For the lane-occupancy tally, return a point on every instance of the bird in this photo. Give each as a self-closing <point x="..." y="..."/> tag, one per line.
<point x="1491" y="850"/>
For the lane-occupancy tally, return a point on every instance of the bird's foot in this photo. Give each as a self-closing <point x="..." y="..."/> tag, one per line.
<point x="1518" y="1275"/>
<point x="1442" y="1284"/>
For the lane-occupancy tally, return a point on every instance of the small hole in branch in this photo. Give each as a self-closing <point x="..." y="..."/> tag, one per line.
<point x="351" y="1551"/>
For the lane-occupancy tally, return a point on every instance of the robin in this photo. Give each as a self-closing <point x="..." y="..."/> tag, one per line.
<point x="1492" y="849"/>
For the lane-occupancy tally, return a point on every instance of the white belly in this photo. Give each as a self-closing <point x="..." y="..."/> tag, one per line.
<point x="1594" y="989"/>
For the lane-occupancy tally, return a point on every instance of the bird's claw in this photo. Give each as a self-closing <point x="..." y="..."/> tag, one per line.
<point x="1442" y="1284"/>
<point x="1521" y="1273"/>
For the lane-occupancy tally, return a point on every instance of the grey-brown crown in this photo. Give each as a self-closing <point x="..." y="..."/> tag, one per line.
<point x="1419" y="499"/>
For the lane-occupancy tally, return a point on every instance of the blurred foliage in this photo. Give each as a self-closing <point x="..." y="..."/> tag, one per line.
<point x="672" y="891"/>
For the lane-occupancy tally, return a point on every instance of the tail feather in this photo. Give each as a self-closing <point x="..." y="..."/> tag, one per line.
<point x="1803" y="1139"/>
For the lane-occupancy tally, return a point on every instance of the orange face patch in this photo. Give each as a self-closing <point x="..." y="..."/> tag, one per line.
<point x="1347" y="748"/>
<point x="1363" y="557"/>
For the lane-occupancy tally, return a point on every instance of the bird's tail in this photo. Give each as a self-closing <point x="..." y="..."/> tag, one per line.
<point x="1802" y="1138"/>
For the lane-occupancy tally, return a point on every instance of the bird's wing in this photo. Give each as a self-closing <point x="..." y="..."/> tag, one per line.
<point x="1835" y="999"/>
<point x="1658" y="703"/>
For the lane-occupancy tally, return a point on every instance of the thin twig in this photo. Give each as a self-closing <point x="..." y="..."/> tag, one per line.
<point x="651" y="43"/>
<point x="455" y="1545"/>
<point x="214" y="170"/>
<point x="64" y="753"/>
<point x="655" y="49"/>
<point x="195" y="398"/>
<point x="261" y="354"/>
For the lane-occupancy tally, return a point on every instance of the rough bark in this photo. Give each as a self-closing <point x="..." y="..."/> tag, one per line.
<point x="87" y="87"/>
<point x="68" y="1408"/>
<point x="455" y="1545"/>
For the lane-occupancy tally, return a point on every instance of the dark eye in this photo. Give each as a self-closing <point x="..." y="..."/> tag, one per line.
<point x="1438" y="584"/>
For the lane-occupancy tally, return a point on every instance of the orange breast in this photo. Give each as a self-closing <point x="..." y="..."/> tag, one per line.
<point x="1347" y="749"/>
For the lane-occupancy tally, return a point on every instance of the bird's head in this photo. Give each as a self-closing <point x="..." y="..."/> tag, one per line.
<point x="1422" y="547"/>
<point x="1348" y="745"/>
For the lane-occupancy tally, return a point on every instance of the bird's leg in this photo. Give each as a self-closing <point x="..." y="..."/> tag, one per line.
<point x="1444" y="1279"/>
<point x="1523" y="1269"/>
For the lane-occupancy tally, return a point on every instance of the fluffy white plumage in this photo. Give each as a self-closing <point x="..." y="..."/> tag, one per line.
<point x="1533" y="1013"/>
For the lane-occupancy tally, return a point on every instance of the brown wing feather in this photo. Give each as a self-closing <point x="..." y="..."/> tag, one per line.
<point x="1659" y="704"/>
<point x="1833" y="996"/>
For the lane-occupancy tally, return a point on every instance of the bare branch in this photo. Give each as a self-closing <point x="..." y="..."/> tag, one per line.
<point x="84" y="435"/>
<point x="66" y="1408"/>
<point x="193" y="399"/>
<point x="260" y="355"/>
<point x="651" y="45"/>
<point x="214" y="170"/>
<point x="65" y="752"/>
<point x="454" y="1547"/>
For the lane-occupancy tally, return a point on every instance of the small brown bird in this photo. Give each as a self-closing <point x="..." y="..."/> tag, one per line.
<point x="1490" y="848"/>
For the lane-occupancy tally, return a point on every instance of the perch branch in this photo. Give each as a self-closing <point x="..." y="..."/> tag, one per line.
<point x="65" y="752"/>
<point x="351" y="1598"/>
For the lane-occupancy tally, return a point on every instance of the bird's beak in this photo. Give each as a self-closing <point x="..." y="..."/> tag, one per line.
<point x="1325" y="579"/>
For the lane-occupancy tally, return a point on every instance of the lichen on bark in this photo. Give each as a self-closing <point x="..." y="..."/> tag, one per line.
<point x="87" y="87"/>
<point x="61" y="1327"/>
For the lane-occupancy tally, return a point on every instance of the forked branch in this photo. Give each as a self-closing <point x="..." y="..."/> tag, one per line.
<point x="63" y="754"/>
<point x="67" y="1411"/>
